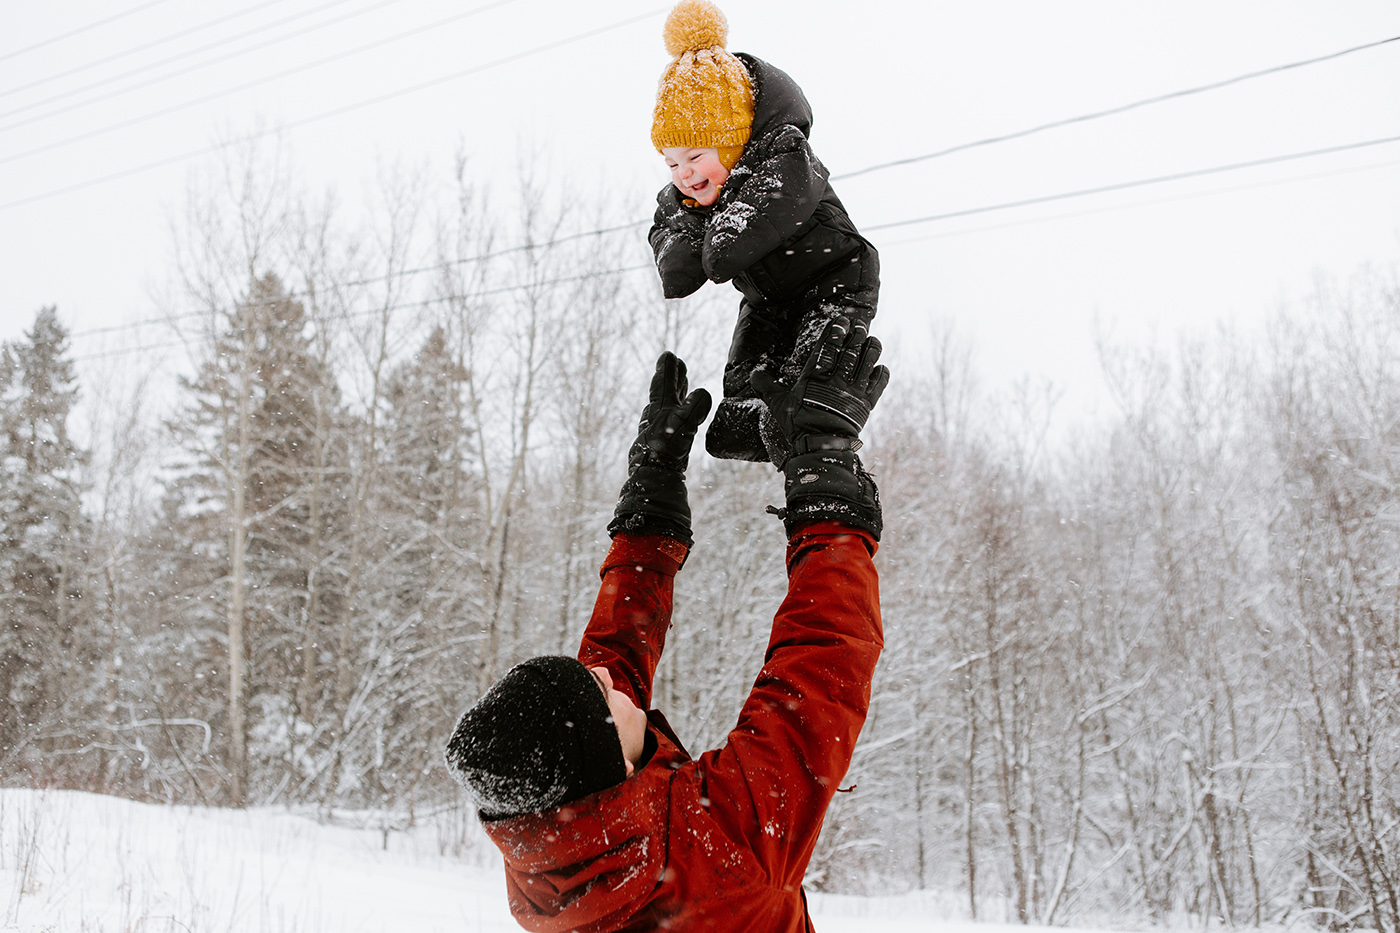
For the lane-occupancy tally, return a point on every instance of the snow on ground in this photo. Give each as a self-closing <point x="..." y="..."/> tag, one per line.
<point x="83" y="863"/>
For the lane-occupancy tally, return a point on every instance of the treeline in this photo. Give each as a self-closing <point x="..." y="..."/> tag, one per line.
<point x="1149" y="670"/>
<point x="1155" y="672"/>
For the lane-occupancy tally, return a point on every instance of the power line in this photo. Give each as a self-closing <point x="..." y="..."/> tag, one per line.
<point x="421" y="303"/>
<point x="434" y="82"/>
<point x="496" y="254"/>
<point x="117" y="56"/>
<point x="370" y="280"/>
<point x="927" y="219"/>
<point x="107" y="82"/>
<point x="149" y="166"/>
<point x="125" y="173"/>
<point x="185" y="105"/>
<point x="947" y="216"/>
<point x="126" y="351"/>
<point x="1121" y="186"/>
<point x="1110" y="208"/>
<point x="81" y="29"/>
<point x="1098" y="114"/>
<point x="184" y="157"/>
<point x="980" y="210"/>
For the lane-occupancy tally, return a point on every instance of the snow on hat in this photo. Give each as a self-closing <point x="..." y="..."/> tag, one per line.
<point x="705" y="99"/>
<point x="542" y="736"/>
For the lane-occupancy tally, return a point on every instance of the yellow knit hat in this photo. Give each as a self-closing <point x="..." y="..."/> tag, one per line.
<point x="705" y="98"/>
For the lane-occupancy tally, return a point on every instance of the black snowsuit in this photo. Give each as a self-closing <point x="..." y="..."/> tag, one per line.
<point x="781" y="234"/>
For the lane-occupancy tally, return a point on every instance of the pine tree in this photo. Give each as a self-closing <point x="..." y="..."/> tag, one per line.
<point x="264" y="418"/>
<point x="40" y="534"/>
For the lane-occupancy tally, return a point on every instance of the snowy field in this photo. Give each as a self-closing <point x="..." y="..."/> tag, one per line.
<point x="82" y="863"/>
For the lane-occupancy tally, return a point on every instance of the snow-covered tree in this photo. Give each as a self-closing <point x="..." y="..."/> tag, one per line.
<point x="261" y="411"/>
<point x="44" y="653"/>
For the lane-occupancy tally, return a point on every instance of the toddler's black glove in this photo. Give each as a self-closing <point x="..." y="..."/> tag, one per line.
<point x="822" y="415"/>
<point x="653" y="499"/>
<point x="675" y="238"/>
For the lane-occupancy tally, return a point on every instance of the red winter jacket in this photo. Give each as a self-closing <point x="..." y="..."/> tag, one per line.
<point x="720" y="842"/>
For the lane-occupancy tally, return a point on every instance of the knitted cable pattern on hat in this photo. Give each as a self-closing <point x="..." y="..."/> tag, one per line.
<point x="705" y="97"/>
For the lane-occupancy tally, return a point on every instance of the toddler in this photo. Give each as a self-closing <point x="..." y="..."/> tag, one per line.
<point x="750" y="203"/>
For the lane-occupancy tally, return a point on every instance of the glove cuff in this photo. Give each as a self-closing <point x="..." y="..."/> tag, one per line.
<point x="653" y="501"/>
<point x="820" y="443"/>
<point x="831" y="485"/>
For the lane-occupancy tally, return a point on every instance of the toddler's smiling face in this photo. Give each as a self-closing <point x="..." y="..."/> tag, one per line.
<point x="697" y="173"/>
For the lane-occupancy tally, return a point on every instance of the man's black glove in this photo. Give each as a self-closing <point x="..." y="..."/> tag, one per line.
<point x="821" y="415"/>
<point x="653" y="500"/>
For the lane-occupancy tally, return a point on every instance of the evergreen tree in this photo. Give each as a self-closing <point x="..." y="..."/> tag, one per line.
<point x="264" y="419"/>
<point x="40" y="535"/>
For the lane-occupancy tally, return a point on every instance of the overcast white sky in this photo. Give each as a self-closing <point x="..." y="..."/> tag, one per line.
<point x="887" y="80"/>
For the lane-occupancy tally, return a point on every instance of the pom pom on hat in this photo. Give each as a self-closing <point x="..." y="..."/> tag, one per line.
<point x="705" y="98"/>
<point x="694" y="25"/>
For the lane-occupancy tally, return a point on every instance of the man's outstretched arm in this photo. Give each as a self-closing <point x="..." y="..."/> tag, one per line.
<point x="775" y="777"/>
<point x="651" y="537"/>
<point x="786" y="758"/>
<point x="627" y="631"/>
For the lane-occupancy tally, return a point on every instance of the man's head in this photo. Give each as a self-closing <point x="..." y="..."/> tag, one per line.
<point x="548" y="732"/>
<point x="705" y="98"/>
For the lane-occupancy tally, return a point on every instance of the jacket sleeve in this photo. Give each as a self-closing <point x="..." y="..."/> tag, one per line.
<point x="675" y="242"/>
<point x="763" y="206"/>
<point x="627" y="631"/>
<point x="772" y="781"/>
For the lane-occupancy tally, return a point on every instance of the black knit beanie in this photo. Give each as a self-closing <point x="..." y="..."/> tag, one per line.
<point x="542" y="736"/>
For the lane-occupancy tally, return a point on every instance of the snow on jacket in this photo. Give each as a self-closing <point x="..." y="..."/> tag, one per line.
<point x="719" y="843"/>
<point x="777" y="230"/>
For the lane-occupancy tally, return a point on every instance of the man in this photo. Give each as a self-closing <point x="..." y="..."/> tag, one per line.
<point x="605" y="821"/>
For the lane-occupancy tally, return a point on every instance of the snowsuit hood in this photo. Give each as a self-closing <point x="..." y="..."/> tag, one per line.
<point x="778" y="100"/>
